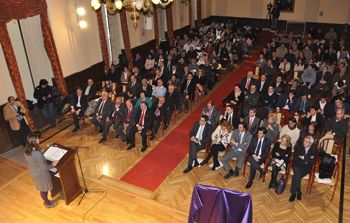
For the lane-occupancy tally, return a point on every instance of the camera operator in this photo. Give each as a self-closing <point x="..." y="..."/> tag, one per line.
<point x="14" y="112"/>
<point x="43" y="93"/>
<point x="275" y="12"/>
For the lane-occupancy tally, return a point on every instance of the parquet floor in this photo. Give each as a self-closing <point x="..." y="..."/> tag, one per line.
<point x="173" y="195"/>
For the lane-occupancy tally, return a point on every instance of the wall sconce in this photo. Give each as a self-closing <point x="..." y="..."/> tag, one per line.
<point x="80" y="12"/>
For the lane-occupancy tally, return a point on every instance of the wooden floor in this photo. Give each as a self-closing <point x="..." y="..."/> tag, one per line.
<point x="104" y="164"/>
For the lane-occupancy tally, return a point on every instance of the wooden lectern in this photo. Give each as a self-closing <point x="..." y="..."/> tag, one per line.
<point x="68" y="180"/>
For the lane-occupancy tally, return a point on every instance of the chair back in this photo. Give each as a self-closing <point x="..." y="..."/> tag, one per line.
<point x="296" y="75"/>
<point x="256" y="75"/>
<point x="330" y="145"/>
<point x="124" y="88"/>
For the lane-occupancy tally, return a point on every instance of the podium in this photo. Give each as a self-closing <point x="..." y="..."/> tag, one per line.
<point x="68" y="180"/>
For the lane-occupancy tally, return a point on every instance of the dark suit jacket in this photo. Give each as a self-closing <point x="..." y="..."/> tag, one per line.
<point x="253" y="99"/>
<point x="190" y="90"/>
<point x="340" y="128"/>
<point x="265" y="148"/>
<point x="173" y="100"/>
<point x="269" y="101"/>
<point x="232" y="97"/>
<point x="114" y="77"/>
<point x="138" y="77"/>
<point x="148" y="90"/>
<point x="298" y="91"/>
<point x="282" y="85"/>
<point x="244" y="83"/>
<point x="121" y="111"/>
<point x="131" y="117"/>
<point x="306" y="163"/>
<point x="92" y="90"/>
<point x="235" y="119"/>
<point x="83" y="100"/>
<point x="331" y="110"/>
<point x="308" y="104"/>
<point x="166" y="74"/>
<point x="106" y="108"/>
<point x="214" y="117"/>
<point x="255" y="124"/>
<point x="148" y="118"/>
<point x="264" y="88"/>
<point x="179" y="74"/>
<point x="319" y="119"/>
<point x="162" y="109"/>
<point x="282" y="101"/>
<point x="327" y="77"/>
<point x="135" y="91"/>
<point x="208" y="130"/>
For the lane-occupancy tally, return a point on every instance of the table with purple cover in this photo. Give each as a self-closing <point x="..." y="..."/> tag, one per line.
<point x="214" y="205"/>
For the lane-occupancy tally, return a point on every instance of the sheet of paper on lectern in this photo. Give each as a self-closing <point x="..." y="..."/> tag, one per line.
<point x="54" y="153"/>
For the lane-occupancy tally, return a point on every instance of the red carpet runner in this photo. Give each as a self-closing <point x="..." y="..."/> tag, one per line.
<point x="152" y="170"/>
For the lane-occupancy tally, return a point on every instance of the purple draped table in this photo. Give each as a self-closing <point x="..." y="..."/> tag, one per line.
<point x="217" y="205"/>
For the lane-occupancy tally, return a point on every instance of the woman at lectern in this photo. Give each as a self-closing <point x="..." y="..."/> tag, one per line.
<point x="38" y="168"/>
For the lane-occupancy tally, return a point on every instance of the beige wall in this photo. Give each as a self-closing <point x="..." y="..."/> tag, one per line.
<point x="78" y="48"/>
<point x="180" y="15"/>
<point x="336" y="11"/>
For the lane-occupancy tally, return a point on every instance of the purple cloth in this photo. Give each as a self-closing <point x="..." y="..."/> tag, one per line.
<point x="217" y="205"/>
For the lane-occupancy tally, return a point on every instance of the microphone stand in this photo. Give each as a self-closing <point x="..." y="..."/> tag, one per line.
<point x="85" y="189"/>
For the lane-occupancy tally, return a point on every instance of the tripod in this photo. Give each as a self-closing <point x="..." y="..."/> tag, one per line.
<point x="85" y="189"/>
<point x="267" y="15"/>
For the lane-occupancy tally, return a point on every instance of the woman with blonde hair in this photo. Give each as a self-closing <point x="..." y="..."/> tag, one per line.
<point x="280" y="158"/>
<point x="220" y="139"/>
<point x="272" y="127"/>
<point x="38" y="168"/>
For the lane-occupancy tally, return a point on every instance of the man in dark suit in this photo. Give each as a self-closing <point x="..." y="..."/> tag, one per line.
<point x="137" y="74"/>
<point x="187" y="90"/>
<point x="323" y="81"/>
<point x="133" y="89"/>
<point x="269" y="99"/>
<point x="314" y="116"/>
<point x="337" y="126"/>
<point x="178" y="73"/>
<point x="103" y="107"/>
<point x="231" y="116"/>
<point x="251" y="99"/>
<point x="89" y="88"/>
<point x="113" y="74"/>
<point x="212" y="112"/>
<point x="78" y="104"/>
<point x="139" y="62"/>
<point x="294" y="86"/>
<point x="200" y="135"/>
<point x="268" y="69"/>
<point x="169" y="63"/>
<point x="259" y="149"/>
<point x="159" y="109"/>
<point x="247" y="82"/>
<point x="252" y="121"/>
<point x="164" y="72"/>
<point x="146" y="88"/>
<point x="127" y="122"/>
<point x="262" y="84"/>
<point x="239" y="144"/>
<point x="186" y="71"/>
<point x="172" y="99"/>
<point x="118" y="111"/>
<point x="279" y="85"/>
<point x="330" y="111"/>
<point x="304" y="157"/>
<point x="144" y="121"/>
<point x="303" y="105"/>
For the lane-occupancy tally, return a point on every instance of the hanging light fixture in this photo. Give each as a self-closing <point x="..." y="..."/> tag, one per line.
<point x="135" y="5"/>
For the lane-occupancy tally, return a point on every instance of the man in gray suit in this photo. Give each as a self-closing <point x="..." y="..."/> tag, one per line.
<point x="200" y="135"/>
<point x="113" y="118"/>
<point x="127" y="121"/>
<point x="103" y="107"/>
<point x="212" y="112"/>
<point x="240" y="142"/>
<point x="252" y="121"/>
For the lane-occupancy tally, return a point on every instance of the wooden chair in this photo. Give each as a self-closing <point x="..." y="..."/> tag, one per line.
<point x="330" y="146"/>
<point x="148" y="136"/>
<point x="286" y="171"/>
<point x="224" y="69"/>
<point x="331" y="183"/>
<point x="205" y="150"/>
<point x="223" y="106"/>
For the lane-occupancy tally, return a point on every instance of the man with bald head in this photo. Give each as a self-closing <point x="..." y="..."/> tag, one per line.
<point x="172" y="99"/>
<point x="341" y="82"/>
<point x="89" y="88"/>
<point x="103" y="107"/>
<point x="247" y="82"/>
<point x="126" y="123"/>
<point x="159" y="110"/>
<point x="118" y="111"/>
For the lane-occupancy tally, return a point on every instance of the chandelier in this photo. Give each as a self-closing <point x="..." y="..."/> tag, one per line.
<point x="136" y="6"/>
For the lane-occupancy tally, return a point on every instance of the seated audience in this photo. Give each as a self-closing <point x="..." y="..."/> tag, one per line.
<point x="78" y="104"/>
<point x="331" y="109"/>
<point x="323" y="82"/>
<point x="275" y="60"/>
<point x="175" y="82"/>
<point x="295" y="87"/>
<point x="149" y="64"/>
<point x="172" y="99"/>
<point x="158" y="91"/>
<point x="212" y="112"/>
<point x="139" y="62"/>
<point x="285" y="66"/>
<point x="230" y="116"/>
<point x="247" y="82"/>
<point x="337" y="126"/>
<point x="269" y="69"/>
<point x="127" y="122"/>
<point x="133" y="89"/>
<point x="159" y="110"/>
<point x="322" y="105"/>
<point x="304" y="157"/>
<point x="259" y="149"/>
<point x="279" y="85"/>
<point x="187" y="92"/>
<point x="236" y="97"/>
<point x="262" y="84"/>
<point x="118" y="110"/>
<point x="281" y="51"/>
<point x="286" y="103"/>
<point x="302" y="105"/>
<point x="219" y="140"/>
<point x="290" y="57"/>
<point x="89" y="88"/>
<point x="142" y="98"/>
<point x="113" y="74"/>
<point x="239" y="144"/>
<point x="291" y="130"/>
<point x="137" y="74"/>
<point x="251" y="100"/>
<point x="252" y="121"/>
<point x="124" y="78"/>
<point x="272" y="127"/>
<point x="314" y="116"/>
<point x="299" y="66"/>
<point x="341" y="82"/>
<point x="269" y="100"/>
<point x="308" y="78"/>
<point x="311" y="130"/>
<point x="143" y="122"/>
<point x="103" y="107"/>
<point x="280" y="157"/>
<point x="261" y="61"/>
<point x="200" y="135"/>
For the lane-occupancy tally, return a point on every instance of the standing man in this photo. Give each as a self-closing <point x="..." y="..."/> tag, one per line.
<point x="159" y="110"/>
<point x="113" y="117"/>
<point x="200" y="135"/>
<point x="126" y="122"/>
<point x="240" y="142"/>
<point x="212" y="112"/>
<point x="144" y="121"/>
<point x="43" y="93"/>
<point x="258" y="151"/>
<point x="275" y="15"/>
<point x="304" y="157"/>
<point x="172" y="99"/>
<point x="79" y="102"/>
<point x="14" y="112"/>
<point x="103" y="107"/>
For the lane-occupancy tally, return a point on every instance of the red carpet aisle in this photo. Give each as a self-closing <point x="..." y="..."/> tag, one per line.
<point x="150" y="172"/>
